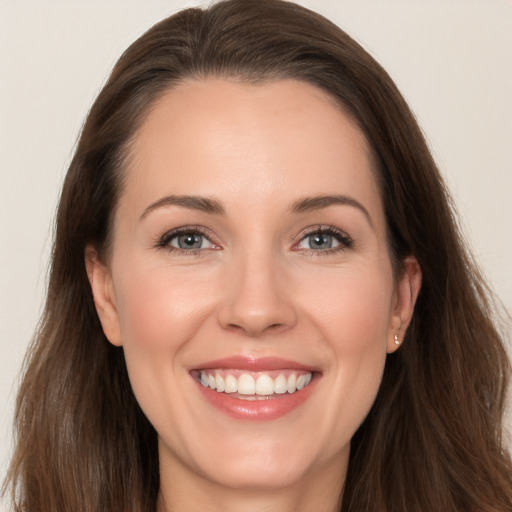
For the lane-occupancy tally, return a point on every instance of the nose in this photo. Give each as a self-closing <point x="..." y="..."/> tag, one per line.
<point x="256" y="298"/>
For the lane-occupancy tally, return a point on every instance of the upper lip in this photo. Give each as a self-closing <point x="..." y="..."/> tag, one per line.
<point x="255" y="364"/>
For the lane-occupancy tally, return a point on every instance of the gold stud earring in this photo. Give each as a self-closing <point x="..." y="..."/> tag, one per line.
<point x="397" y="341"/>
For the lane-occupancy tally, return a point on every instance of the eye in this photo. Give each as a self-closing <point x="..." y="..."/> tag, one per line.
<point x="319" y="241"/>
<point x="189" y="241"/>
<point x="326" y="239"/>
<point x="186" y="240"/>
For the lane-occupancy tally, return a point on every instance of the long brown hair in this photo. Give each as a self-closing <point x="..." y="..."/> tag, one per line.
<point x="432" y="441"/>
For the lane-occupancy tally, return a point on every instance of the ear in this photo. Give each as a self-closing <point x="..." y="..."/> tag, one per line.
<point x="408" y="288"/>
<point x="100" y="279"/>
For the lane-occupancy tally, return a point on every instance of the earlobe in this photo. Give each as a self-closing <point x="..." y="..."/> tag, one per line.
<point x="408" y="288"/>
<point x="100" y="279"/>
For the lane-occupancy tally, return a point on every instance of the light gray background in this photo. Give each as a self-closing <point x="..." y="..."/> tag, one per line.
<point x="452" y="59"/>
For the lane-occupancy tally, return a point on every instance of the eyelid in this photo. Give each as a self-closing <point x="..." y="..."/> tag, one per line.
<point x="163" y="241"/>
<point x="345" y="241"/>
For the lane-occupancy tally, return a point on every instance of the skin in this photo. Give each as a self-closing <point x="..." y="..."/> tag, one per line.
<point x="256" y="288"/>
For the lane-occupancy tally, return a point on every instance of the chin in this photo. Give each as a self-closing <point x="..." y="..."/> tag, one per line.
<point x="258" y="475"/>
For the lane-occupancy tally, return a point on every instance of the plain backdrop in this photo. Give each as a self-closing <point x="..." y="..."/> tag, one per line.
<point x="452" y="59"/>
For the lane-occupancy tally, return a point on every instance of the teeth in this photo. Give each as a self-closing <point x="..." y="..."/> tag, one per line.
<point x="246" y="384"/>
<point x="281" y="385"/>
<point x="292" y="383"/>
<point x="230" y="384"/>
<point x="219" y="383"/>
<point x="250" y="385"/>
<point x="264" y="385"/>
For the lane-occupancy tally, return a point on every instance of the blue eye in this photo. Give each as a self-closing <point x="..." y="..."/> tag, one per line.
<point x="189" y="241"/>
<point x="186" y="240"/>
<point x="325" y="239"/>
<point x="320" y="241"/>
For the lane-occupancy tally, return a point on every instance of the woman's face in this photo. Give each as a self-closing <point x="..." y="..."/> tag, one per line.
<point x="250" y="283"/>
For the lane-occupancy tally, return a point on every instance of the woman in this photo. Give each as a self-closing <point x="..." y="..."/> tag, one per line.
<point x="258" y="298"/>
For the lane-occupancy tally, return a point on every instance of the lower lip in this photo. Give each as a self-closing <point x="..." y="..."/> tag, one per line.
<point x="257" y="410"/>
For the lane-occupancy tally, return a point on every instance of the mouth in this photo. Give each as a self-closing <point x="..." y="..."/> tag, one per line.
<point x="255" y="389"/>
<point x="246" y="385"/>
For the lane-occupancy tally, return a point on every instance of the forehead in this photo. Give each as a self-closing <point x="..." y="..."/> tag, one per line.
<point x="228" y="139"/>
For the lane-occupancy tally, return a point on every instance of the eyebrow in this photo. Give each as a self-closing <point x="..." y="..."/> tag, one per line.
<point x="309" y="204"/>
<point x="212" y="206"/>
<point x="203" y="204"/>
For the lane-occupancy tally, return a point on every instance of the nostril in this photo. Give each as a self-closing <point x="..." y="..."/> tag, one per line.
<point x="255" y="331"/>
<point x="256" y="311"/>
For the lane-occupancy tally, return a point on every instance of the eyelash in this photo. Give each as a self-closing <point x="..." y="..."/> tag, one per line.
<point x="345" y="242"/>
<point x="164" y="241"/>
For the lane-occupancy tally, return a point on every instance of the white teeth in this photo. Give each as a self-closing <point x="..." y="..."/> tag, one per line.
<point x="230" y="384"/>
<point x="246" y="384"/>
<point x="292" y="383"/>
<point x="219" y="383"/>
<point x="281" y="385"/>
<point x="264" y="385"/>
<point x="255" y="384"/>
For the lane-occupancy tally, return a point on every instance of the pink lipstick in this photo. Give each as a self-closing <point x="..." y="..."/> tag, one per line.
<point x="255" y="388"/>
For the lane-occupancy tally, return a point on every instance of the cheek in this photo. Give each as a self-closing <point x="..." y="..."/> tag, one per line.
<point x="352" y="316"/>
<point x="157" y="309"/>
<point x="158" y="314"/>
<point x="357" y="328"/>
<point x="352" y="308"/>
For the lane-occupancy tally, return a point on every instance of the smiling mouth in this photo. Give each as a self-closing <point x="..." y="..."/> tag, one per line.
<point x="246" y="385"/>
